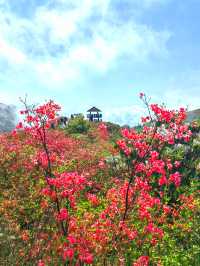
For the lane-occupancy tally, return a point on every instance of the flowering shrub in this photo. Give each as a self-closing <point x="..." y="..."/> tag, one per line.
<point x="64" y="201"/>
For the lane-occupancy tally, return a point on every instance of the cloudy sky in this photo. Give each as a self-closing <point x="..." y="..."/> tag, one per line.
<point x="101" y="52"/>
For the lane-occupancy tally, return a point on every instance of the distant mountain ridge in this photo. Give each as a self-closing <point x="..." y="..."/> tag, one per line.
<point x="7" y="117"/>
<point x="193" y="115"/>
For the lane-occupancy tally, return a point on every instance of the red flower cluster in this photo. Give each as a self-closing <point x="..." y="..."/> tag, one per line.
<point x="63" y="215"/>
<point x="103" y="131"/>
<point x="142" y="261"/>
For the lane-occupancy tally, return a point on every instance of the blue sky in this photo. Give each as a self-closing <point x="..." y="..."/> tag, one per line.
<point x="101" y="52"/>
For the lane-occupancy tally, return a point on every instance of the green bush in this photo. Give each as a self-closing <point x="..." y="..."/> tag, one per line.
<point x="114" y="131"/>
<point x="78" y="125"/>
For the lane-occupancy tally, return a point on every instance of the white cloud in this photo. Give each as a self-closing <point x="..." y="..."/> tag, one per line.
<point x="180" y="97"/>
<point x="8" y="98"/>
<point x="182" y="90"/>
<point x="125" y="115"/>
<point x="12" y="54"/>
<point x="63" y="39"/>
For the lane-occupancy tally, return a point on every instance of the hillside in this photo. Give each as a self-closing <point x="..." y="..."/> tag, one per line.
<point x="93" y="194"/>
<point x="193" y="115"/>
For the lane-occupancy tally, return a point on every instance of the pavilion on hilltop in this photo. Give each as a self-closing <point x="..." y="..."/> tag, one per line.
<point x="94" y="114"/>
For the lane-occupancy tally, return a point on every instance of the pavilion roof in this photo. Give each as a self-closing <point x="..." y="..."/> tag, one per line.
<point x="94" y="109"/>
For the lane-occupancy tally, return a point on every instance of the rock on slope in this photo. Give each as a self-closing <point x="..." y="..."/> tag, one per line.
<point x="7" y="117"/>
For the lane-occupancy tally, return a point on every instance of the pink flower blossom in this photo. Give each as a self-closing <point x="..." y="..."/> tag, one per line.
<point x="142" y="261"/>
<point x="63" y="214"/>
<point x="68" y="254"/>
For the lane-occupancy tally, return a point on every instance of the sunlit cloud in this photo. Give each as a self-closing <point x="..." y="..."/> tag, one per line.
<point x="126" y="115"/>
<point x="63" y="49"/>
<point x="64" y="39"/>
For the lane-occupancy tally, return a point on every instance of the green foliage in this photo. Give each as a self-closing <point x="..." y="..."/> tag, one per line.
<point x="114" y="131"/>
<point x="181" y="244"/>
<point x="77" y="125"/>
